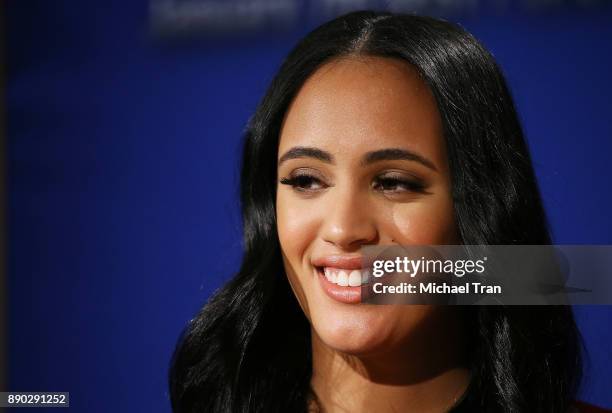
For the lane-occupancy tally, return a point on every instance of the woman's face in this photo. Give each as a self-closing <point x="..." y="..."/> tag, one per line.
<point x="361" y="161"/>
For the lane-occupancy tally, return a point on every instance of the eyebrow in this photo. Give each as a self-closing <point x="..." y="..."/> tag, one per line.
<point x="390" y="154"/>
<point x="306" y="152"/>
<point x="393" y="154"/>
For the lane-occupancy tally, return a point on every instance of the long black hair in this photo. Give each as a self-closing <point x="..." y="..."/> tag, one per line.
<point x="248" y="349"/>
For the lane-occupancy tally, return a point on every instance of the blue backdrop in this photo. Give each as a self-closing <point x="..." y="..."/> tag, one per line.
<point x="122" y="161"/>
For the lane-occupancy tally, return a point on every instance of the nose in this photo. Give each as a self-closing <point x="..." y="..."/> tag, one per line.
<point x="350" y="222"/>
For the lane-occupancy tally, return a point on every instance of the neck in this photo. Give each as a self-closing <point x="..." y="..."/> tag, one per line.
<point x="426" y="373"/>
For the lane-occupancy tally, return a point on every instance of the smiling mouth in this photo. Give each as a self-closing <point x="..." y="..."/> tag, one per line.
<point x="341" y="284"/>
<point x="345" y="277"/>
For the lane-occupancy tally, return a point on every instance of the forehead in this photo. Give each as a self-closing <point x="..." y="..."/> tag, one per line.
<point x="358" y="104"/>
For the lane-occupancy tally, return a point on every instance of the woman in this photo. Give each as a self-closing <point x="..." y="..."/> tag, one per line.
<point x="378" y="129"/>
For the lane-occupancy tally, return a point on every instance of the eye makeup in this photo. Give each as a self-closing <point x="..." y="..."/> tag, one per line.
<point x="305" y="180"/>
<point x="398" y="182"/>
<point x="389" y="182"/>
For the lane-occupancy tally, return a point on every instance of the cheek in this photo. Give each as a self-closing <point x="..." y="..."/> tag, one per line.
<point x="424" y="223"/>
<point x="297" y="225"/>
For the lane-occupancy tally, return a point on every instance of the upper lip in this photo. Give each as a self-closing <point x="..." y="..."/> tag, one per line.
<point x="347" y="262"/>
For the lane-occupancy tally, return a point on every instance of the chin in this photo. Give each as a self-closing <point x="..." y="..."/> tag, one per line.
<point x="353" y="335"/>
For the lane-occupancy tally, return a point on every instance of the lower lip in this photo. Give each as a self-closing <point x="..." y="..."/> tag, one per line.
<point x="347" y="295"/>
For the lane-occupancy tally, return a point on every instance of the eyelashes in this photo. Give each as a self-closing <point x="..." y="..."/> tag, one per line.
<point x="389" y="184"/>
<point x="303" y="183"/>
<point x="398" y="184"/>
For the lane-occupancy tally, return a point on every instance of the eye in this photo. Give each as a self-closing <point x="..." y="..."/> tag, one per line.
<point x="398" y="184"/>
<point x="304" y="182"/>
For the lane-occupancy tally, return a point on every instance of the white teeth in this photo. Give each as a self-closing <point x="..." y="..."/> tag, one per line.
<point x="346" y="278"/>
<point x="328" y="274"/>
<point x="365" y="276"/>
<point x="342" y="279"/>
<point x="354" y="278"/>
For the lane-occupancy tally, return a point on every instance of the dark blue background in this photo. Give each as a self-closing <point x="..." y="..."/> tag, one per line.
<point x="123" y="156"/>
